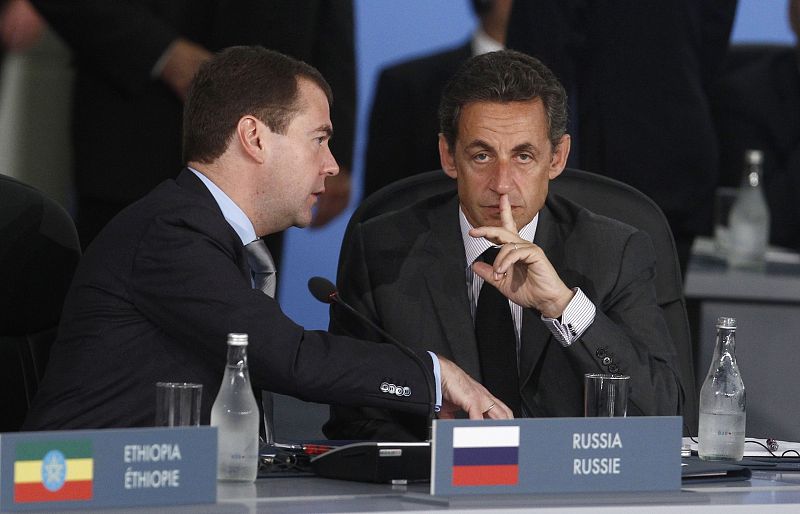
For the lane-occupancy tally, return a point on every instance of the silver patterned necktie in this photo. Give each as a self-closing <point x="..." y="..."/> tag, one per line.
<point x="262" y="266"/>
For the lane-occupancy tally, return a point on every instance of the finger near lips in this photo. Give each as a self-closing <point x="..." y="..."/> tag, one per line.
<point x="506" y="216"/>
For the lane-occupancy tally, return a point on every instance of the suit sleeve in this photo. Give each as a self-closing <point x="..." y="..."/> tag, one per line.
<point x="629" y="335"/>
<point x="120" y="40"/>
<point x="364" y="423"/>
<point x="188" y="284"/>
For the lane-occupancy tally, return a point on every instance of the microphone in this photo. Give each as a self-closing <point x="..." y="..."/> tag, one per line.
<point x="325" y="291"/>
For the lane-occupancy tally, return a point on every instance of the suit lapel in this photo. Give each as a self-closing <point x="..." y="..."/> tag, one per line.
<point x="444" y="266"/>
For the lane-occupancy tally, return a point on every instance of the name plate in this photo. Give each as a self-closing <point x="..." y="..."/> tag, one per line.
<point x="556" y="455"/>
<point x="84" y="469"/>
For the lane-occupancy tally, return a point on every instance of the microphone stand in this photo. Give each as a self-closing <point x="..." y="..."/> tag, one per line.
<point x="323" y="290"/>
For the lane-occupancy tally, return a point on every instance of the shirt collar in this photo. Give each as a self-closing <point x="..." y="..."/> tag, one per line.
<point x="482" y="43"/>
<point x="235" y="217"/>
<point x="475" y="246"/>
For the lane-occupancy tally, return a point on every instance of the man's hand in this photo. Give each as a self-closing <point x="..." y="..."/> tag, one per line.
<point x="20" y="25"/>
<point x="335" y="198"/>
<point x="521" y="271"/>
<point x="461" y="392"/>
<point x="183" y="61"/>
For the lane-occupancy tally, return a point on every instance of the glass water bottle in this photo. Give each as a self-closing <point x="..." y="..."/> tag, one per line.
<point x="749" y="217"/>
<point x="235" y="414"/>
<point x="722" y="400"/>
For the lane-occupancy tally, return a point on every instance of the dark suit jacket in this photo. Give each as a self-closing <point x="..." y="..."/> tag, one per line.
<point x="756" y="106"/>
<point x="123" y="115"/>
<point x="153" y="299"/>
<point x="640" y="72"/>
<point x="406" y="271"/>
<point x="404" y="124"/>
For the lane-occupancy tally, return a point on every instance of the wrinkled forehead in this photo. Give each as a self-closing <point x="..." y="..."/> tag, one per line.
<point x="502" y="123"/>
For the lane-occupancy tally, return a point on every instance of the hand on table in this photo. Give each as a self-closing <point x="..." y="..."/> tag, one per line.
<point x="461" y="392"/>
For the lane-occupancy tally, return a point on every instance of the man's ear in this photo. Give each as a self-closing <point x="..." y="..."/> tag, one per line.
<point x="446" y="158"/>
<point x="559" y="160"/>
<point x="251" y="134"/>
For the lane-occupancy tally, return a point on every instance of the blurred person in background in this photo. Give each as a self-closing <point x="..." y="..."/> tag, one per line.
<point x="403" y="124"/>
<point x="135" y="60"/>
<point x="756" y="106"/>
<point x="639" y="72"/>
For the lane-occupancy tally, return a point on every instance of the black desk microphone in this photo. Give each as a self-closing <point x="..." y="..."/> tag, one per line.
<point x="325" y="291"/>
<point x="374" y="461"/>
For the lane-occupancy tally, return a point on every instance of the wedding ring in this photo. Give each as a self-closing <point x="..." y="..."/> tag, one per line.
<point x="515" y="246"/>
<point x="490" y="408"/>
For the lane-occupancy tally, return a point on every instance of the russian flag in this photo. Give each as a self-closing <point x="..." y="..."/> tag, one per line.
<point x="485" y="456"/>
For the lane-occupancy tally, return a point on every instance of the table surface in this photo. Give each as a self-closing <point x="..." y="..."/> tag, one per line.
<point x="765" y="492"/>
<point x="709" y="277"/>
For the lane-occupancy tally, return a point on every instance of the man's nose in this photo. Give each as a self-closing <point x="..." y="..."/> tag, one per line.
<point x="501" y="179"/>
<point x="330" y="166"/>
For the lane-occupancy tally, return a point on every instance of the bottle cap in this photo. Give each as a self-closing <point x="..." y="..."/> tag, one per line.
<point x="237" y="339"/>
<point x="754" y="156"/>
<point x="724" y="322"/>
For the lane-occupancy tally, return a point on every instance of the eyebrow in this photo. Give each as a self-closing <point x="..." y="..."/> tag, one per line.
<point x="479" y="143"/>
<point x="524" y="147"/>
<point x="326" y="129"/>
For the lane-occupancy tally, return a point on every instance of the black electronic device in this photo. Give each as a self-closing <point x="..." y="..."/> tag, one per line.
<point x="376" y="461"/>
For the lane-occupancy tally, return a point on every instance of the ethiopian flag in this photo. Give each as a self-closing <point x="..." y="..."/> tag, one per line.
<point x="53" y="471"/>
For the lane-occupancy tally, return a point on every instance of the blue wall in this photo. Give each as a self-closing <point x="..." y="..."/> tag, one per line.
<point x="387" y="31"/>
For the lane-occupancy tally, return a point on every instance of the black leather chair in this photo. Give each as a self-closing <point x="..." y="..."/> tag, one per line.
<point x="601" y="195"/>
<point x="39" y="251"/>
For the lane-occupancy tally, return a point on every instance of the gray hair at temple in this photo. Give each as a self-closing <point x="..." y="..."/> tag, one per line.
<point x="502" y="77"/>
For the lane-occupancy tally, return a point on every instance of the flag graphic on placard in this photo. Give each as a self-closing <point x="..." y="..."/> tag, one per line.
<point x="53" y="471"/>
<point x="485" y="456"/>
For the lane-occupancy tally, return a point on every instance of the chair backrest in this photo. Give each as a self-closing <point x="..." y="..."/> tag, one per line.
<point x="39" y="251"/>
<point x="599" y="194"/>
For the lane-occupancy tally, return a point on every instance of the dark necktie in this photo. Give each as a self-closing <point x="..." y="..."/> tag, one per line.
<point x="497" y="342"/>
<point x="262" y="266"/>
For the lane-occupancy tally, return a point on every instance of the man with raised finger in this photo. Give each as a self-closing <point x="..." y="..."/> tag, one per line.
<point x="579" y="291"/>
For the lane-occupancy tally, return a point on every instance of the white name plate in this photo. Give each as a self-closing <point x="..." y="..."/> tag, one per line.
<point x="556" y="455"/>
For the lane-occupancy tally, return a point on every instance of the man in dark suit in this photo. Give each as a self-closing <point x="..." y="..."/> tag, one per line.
<point x="170" y="276"/>
<point x="135" y="59"/>
<point x="639" y="72"/>
<point x="403" y="123"/>
<point x="752" y="105"/>
<point x="581" y="285"/>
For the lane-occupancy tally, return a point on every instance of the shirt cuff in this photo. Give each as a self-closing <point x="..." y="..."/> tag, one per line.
<point x="437" y="375"/>
<point x="575" y="319"/>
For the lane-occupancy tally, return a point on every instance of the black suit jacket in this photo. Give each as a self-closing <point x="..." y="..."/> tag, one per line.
<point x="123" y="115"/>
<point x="404" y="123"/>
<point x="153" y="300"/>
<point x="640" y="71"/>
<point x="756" y="106"/>
<point x="406" y="271"/>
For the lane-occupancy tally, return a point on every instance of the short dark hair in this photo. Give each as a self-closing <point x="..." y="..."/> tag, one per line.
<point x="238" y="81"/>
<point x="504" y="76"/>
